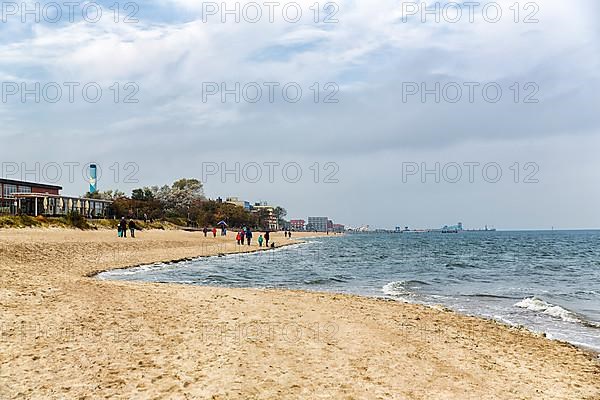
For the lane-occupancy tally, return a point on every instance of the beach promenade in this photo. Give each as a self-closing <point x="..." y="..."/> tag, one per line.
<point x="66" y="335"/>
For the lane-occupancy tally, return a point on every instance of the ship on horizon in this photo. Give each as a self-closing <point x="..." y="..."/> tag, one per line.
<point x="445" y="229"/>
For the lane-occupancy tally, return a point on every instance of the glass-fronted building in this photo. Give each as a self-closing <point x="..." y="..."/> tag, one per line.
<point x="29" y="198"/>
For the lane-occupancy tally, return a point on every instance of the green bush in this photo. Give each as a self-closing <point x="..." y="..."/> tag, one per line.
<point x="76" y="220"/>
<point x="19" y="221"/>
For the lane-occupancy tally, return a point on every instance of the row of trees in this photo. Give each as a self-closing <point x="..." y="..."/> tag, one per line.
<point x="183" y="203"/>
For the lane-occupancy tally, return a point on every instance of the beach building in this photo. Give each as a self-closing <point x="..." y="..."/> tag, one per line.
<point x="241" y="203"/>
<point x="9" y="188"/>
<point x="317" y="224"/>
<point x="298" y="224"/>
<point x="272" y="221"/>
<point x="30" y="198"/>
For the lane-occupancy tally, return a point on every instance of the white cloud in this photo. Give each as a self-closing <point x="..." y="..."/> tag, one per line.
<point x="369" y="53"/>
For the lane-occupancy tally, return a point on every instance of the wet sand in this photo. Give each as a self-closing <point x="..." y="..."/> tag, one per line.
<point x="66" y="335"/>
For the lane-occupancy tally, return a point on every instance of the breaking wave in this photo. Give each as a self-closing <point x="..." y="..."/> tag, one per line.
<point x="540" y="306"/>
<point x="403" y="288"/>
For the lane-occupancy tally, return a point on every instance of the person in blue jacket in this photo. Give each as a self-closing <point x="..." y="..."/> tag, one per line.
<point x="249" y="235"/>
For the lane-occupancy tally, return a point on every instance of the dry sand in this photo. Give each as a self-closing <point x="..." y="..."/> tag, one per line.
<point x="65" y="335"/>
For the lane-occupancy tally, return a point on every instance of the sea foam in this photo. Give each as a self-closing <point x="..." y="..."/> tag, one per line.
<point x="540" y="306"/>
<point x="402" y="288"/>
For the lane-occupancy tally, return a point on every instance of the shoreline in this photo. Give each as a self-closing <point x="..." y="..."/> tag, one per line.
<point x="94" y="274"/>
<point x="283" y="247"/>
<point x="66" y="335"/>
<point x="438" y="307"/>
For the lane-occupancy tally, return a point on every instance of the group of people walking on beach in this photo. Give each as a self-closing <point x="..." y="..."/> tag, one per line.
<point x="245" y="236"/>
<point x="214" y="231"/>
<point x="123" y="225"/>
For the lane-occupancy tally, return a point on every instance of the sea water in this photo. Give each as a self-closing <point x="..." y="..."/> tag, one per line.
<point x="548" y="281"/>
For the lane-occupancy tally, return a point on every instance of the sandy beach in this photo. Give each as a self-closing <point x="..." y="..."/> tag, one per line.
<point x="64" y="334"/>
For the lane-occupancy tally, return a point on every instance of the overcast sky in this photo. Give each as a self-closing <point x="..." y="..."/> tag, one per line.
<point x="361" y="144"/>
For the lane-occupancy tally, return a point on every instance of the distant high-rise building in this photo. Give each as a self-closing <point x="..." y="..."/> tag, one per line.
<point x="272" y="221"/>
<point x="318" y="224"/>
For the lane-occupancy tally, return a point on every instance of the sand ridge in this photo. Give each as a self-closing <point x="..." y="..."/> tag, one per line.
<point x="66" y="335"/>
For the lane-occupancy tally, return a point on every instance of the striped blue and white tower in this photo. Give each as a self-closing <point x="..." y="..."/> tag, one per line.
<point x="93" y="178"/>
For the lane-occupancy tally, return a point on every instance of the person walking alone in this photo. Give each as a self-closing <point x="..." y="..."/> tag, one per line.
<point x="205" y="230"/>
<point x="132" y="228"/>
<point x="249" y="235"/>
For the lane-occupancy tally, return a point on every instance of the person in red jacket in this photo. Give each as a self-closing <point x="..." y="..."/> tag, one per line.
<point x="214" y="232"/>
